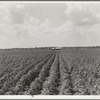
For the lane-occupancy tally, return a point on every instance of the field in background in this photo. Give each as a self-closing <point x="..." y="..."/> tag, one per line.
<point x="46" y="71"/>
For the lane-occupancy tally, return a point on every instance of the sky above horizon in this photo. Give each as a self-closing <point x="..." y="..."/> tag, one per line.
<point x="24" y="25"/>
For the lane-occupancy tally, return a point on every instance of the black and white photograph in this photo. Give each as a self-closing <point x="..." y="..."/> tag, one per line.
<point x="50" y="48"/>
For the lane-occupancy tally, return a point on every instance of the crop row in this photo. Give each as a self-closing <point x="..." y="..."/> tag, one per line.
<point x="36" y="86"/>
<point x="28" y="77"/>
<point x="50" y="86"/>
<point x="66" y="87"/>
<point x="9" y="80"/>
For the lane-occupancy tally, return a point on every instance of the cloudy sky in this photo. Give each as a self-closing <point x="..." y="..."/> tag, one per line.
<point x="49" y="24"/>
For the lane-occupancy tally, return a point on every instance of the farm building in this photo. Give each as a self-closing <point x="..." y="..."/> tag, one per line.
<point x="56" y="48"/>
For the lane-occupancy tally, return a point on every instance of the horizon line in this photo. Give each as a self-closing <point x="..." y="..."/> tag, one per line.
<point x="49" y="47"/>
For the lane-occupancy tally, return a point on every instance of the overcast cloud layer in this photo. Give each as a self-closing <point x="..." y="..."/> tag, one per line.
<point x="68" y="24"/>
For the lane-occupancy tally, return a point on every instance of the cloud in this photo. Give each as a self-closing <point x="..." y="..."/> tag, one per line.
<point x="20" y="29"/>
<point x="82" y="28"/>
<point x="81" y="14"/>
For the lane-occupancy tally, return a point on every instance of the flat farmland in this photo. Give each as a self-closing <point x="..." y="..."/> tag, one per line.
<point x="68" y="71"/>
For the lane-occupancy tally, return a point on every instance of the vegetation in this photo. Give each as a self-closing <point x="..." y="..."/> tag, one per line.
<point x="68" y="71"/>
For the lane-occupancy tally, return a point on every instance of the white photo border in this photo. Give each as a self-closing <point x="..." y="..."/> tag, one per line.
<point x="62" y="97"/>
